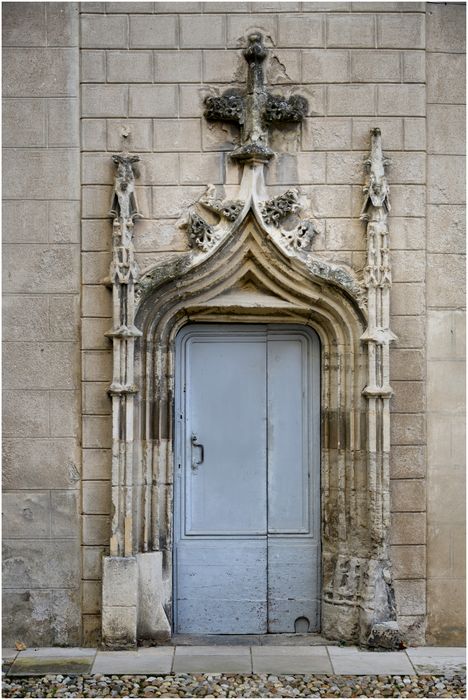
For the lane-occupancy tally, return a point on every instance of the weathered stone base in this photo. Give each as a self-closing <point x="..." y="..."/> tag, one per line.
<point x="132" y="596"/>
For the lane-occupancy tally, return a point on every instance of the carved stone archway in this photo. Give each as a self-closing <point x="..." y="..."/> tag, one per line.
<point x="249" y="269"/>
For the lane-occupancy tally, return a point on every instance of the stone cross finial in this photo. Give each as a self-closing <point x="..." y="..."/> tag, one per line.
<point x="257" y="110"/>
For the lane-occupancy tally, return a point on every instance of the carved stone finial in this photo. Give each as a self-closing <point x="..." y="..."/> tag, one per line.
<point x="124" y="203"/>
<point x="376" y="189"/>
<point x="256" y="110"/>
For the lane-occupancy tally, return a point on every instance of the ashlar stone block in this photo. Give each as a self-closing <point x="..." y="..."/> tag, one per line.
<point x="92" y="562"/>
<point x="97" y="432"/>
<point x="97" y="365"/>
<point x="63" y="122"/>
<point x="92" y="597"/>
<point x="440" y="269"/>
<point x="41" y="173"/>
<point x="283" y="68"/>
<point x="40" y="72"/>
<point x="446" y="78"/>
<point x="93" y="134"/>
<point x="408" y="397"/>
<point x="25" y="222"/>
<point x="96" y="464"/>
<point x="63" y="409"/>
<point x="375" y="66"/>
<point x="409" y="561"/>
<point x="202" y="31"/>
<point x="96" y="497"/>
<point x="351" y="31"/>
<point x="104" y="100"/>
<point x="25" y="317"/>
<point x="40" y="365"/>
<point x="397" y="32"/>
<point x="120" y="577"/>
<point x="136" y="134"/>
<point x="130" y="66"/>
<point x="411" y="334"/>
<point x="40" y="463"/>
<point x="64" y="514"/>
<point x="411" y="597"/>
<point x="64" y="317"/>
<point x="391" y="128"/>
<point x="93" y="66"/>
<point x="402" y="100"/>
<point x="24" y="513"/>
<point x="408" y="429"/>
<point x="301" y="30"/>
<point x="92" y="333"/>
<point x="179" y="66"/>
<point x="350" y="100"/>
<point x="408" y="495"/>
<point x="62" y="23"/>
<point x="153" y="32"/>
<point x="96" y="529"/>
<point x="96" y="400"/>
<point x="408" y="528"/>
<point x="97" y="301"/>
<point x="61" y="626"/>
<point x="325" y="66"/>
<point x="326" y="134"/>
<point x="64" y="222"/>
<point x="450" y="140"/>
<point x="446" y="27"/>
<point x="170" y="202"/>
<point x="41" y="563"/>
<point x="34" y="268"/>
<point x="408" y="462"/>
<point x="446" y="180"/>
<point x="25" y="414"/>
<point x="414" y="67"/>
<point x="152" y="101"/>
<point x="238" y="26"/>
<point x="407" y="364"/>
<point x="104" y="31"/>
<point x="24" y="24"/>
<point x="199" y="168"/>
<point x="24" y="122"/>
<point x="177" y="135"/>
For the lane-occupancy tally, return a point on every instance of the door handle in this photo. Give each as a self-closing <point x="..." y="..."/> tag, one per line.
<point x="196" y="464"/>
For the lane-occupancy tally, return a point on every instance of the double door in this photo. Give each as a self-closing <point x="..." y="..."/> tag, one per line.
<point x="247" y="506"/>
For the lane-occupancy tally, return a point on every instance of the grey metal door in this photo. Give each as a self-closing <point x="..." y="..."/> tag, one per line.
<point x="246" y="512"/>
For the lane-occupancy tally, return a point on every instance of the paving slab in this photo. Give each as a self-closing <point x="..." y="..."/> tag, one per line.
<point x="437" y="660"/>
<point x="287" y="660"/>
<point x="212" y="659"/>
<point x="40" y="661"/>
<point x="142" y="662"/>
<point x="354" y="661"/>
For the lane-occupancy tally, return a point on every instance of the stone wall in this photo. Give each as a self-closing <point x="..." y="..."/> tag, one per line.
<point x="445" y="270"/>
<point x="145" y="69"/>
<point x="41" y="362"/>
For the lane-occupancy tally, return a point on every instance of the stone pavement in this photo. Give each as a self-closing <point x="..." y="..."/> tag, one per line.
<point x="236" y="659"/>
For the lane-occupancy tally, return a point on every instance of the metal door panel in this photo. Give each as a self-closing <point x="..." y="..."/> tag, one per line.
<point x="220" y="509"/>
<point x="222" y="587"/>
<point x="226" y="405"/>
<point x="293" y="583"/>
<point x="288" y="449"/>
<point x="293" y="479"/>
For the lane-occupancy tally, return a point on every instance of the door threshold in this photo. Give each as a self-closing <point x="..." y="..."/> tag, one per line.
<point x="306" y="639"/>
